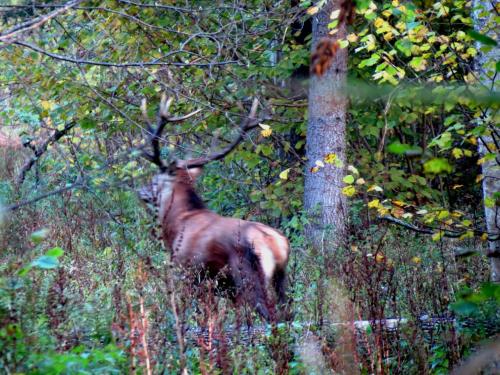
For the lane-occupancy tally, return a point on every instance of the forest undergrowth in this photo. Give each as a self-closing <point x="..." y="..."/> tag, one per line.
<point x="86" y="288"/>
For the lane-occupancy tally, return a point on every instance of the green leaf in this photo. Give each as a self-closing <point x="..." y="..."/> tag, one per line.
<point x="489" y="202"/>
<point x="349" y="179"/>
<point x="404" y="45"/>
<point x="88" y="123"/>
<point x="45" y="262"/>
<point x="437" y="166"/>
<point x="464" y="307"/>
<point x="481" y="38"/>
<point x="55" y="252"/>
<point x="403" y="149"/>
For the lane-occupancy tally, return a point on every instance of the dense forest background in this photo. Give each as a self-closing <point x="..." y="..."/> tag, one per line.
<point x="405" y="276"/>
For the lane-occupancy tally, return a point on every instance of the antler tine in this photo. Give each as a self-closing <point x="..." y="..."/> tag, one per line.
<point x="248" y="123"/>
<point x="154" y="134"/>
<point x="162" y="120"/>
<point x="165" y="105"/>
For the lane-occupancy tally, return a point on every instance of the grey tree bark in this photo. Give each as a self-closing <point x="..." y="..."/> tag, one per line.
<point x="324" y="202"/>
<point x="485" y="70"/>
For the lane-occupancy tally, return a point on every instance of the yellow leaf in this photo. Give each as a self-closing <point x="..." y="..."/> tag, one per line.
<point x="379" y="22"/>
<point x="416" y="260"/>
<point x="335" y="14"/>
<point x="349" y="191"/>
<point x="399" y="203"/>
<point x="375" y="188"/>
<point x="382" y="211"/>
<point x="374" y="203"/>
<point x="330" y="158"/>
<point x="387" y="13"/>
<point x="47" y="105"/>
<point x="455" y="187"/>
<point x="312" y="10"/>
<point x="437" y="236"/>
<point x="352" y="38"/>
<point x="457" y="153"/>
<point x="266" y="133"/>
<point x="388" y="36"/>
<point x="379" y="258"/>
<point x="479" y="178"/>
<point x="484" y="237"/>
<point x="284" y="174"/>
<point x="314" y="169"/>
<point x="360" y="181"/>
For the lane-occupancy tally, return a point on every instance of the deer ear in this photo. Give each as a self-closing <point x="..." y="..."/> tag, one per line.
<point x="194" y="173"/>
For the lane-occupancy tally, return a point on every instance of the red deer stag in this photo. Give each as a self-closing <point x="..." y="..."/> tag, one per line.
<point x="248" y="256"/>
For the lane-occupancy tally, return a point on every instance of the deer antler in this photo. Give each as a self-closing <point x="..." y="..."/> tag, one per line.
<point x="248" y="123"/>
<point x="154" y="134"/>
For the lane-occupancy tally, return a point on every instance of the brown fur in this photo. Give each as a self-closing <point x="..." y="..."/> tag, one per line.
<point x="253" y="254"/>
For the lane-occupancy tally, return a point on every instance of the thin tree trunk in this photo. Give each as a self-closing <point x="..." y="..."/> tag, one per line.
<point x="485" y="69"/>
<point x="323" y="199"/>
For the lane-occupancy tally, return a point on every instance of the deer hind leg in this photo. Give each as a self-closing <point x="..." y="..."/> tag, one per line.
<point x="249" y="280"/>
<point x="279" y="283"/>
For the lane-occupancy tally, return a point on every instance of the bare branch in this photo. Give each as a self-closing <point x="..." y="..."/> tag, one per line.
<point x="139" y="64"/>
<point x="429" y="231"/>
<point x="39" y="151"/>
<point x="10" y="35"/>
<point x="17" y="206"/>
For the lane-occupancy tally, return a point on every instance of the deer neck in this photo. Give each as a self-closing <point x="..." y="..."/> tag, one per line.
<point x="174" y="209"/>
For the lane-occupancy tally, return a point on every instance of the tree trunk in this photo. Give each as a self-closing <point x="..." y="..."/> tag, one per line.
<point x="485" y="70"/>
<point x="324" y="202"/>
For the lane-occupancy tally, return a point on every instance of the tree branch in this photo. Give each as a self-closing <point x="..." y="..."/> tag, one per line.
<point x="9" y="36"/>
<point x="139" y="64"/>
<point x="39" y="151"/>
<point x="17" y="206"/>
<point x="428" y="231"/>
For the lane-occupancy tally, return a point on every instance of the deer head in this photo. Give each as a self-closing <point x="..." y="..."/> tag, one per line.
<point x="162" y="183"/>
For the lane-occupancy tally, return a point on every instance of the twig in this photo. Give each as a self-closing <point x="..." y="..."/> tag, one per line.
<point x="16" y="206"/>
<point x="39" y="151"/>
<point x="9" y="36"/>
<point x="139" y="64"/>
<point x="446" y="233"/>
